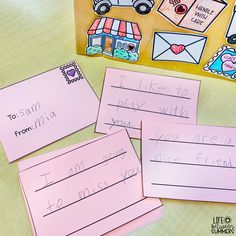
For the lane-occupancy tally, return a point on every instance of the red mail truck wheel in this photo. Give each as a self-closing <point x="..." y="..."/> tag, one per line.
<point x="181" y="9"/>
<point x="143" y="8"/>
<point x="232" y="39"/>
<point x="103" y="9"/>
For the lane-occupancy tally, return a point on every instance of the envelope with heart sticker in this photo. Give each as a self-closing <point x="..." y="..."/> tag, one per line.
<point x="223" y="63"/>
<point x="169" y="46"/>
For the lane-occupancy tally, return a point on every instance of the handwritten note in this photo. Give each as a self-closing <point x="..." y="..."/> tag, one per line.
<point x="98" y="183"/>
<point x="190" y="162"/>
<point x="45" y="108"/>
<point x="129" y="97"/>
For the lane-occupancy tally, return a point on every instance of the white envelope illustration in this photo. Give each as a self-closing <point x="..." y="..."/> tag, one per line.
<point x="168" y="46"/>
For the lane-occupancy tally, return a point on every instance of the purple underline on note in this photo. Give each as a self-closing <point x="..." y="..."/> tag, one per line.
<point x="192" y="164"/>
<point x="107" y="216"/>
<point x="149" y="111"/>
<point x="123" y="126"/>
<point x="189" y="186"/>
<point x="150" y="92"/>
<point x="72" y="203"/>
<point x="80" y="171"/>
<point x="188" y="142"/>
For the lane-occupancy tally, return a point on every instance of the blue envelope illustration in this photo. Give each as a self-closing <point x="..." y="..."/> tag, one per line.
<point x="168" y="46"/>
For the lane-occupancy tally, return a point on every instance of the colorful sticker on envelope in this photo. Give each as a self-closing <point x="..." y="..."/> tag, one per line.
<point x="195" y="15"/>
<point x="115" y="38"/>
<point x="168" y="46"/>
<point x="223" y="63"/>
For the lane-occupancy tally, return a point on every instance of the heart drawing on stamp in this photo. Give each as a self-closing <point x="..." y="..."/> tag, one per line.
<point x="177" y="49"/>
<point x="228" y="66"/>
<point x="228" y="57"/>
<point x="71" y="72"/>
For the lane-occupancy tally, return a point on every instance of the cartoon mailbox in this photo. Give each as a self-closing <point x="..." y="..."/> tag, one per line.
<point x="231" y="32"/>
<point x="143" y="7"/>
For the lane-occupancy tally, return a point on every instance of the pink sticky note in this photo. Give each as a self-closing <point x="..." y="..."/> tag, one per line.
<point x="45" y="108"/>
<point x="190" y="162"/>
<point x="90" y="190"/>
<point x="129" y="97"/>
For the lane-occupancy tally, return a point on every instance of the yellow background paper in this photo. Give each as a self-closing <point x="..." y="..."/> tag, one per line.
<point x="39" y="35"/>
<point x="148" y="24"/>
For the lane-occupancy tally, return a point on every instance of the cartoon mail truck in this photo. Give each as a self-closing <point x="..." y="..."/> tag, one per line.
<point x="143" y="7"/>
<point x="231" y="32"/>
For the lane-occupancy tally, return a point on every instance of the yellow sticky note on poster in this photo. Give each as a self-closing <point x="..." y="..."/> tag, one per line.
<point x="181" y="35"/>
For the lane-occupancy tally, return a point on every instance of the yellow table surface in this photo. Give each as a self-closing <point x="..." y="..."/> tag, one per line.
<point x="38" y="35"/>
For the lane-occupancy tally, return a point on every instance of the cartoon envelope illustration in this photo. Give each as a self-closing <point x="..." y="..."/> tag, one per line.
<point x="169" y="46"/>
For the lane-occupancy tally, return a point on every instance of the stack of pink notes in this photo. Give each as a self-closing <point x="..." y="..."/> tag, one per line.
<point x="180" y="159"/>
<point x="99" y="187"/>
<point x="90" y="189"/>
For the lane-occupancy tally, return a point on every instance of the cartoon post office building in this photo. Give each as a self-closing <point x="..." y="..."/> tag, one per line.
<point x="115" y="38"/>
<point x="143" y="7"/>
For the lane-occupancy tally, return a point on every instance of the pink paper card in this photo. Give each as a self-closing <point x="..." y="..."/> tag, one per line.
<point x="93" y="189"/>
<point x="47" y="107"/>
<point x="189" y="162"/>
<point x="129" y="97"/>
<point x="29" y="163"/>
<point x="133" y="225"/>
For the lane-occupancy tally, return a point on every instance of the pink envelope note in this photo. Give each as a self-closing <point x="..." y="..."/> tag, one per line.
<point x="190" y="162"/>
<point x="47" y="107"/>
<point x="129" y="97"/>
<point x="90" y="190"/>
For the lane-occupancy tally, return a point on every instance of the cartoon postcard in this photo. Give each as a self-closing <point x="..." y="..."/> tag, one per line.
<point x="231" y="31"/>
<point x="195" y="15"/>
<point x="189" y="162"/>
<point x="87" y="185"/>
<point x="223" y="63"/>
<point x="170" y="46"/>
<point x="115" y="38"/>
<point x="129" y="97"/>
<point x="45" y="108"/>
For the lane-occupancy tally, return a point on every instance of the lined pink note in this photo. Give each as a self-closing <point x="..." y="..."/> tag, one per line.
<point x="90" y="190"/>
<point x="129" y="97"/>
<point x="190" y="162"/>
<point x="47" y="107"/>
